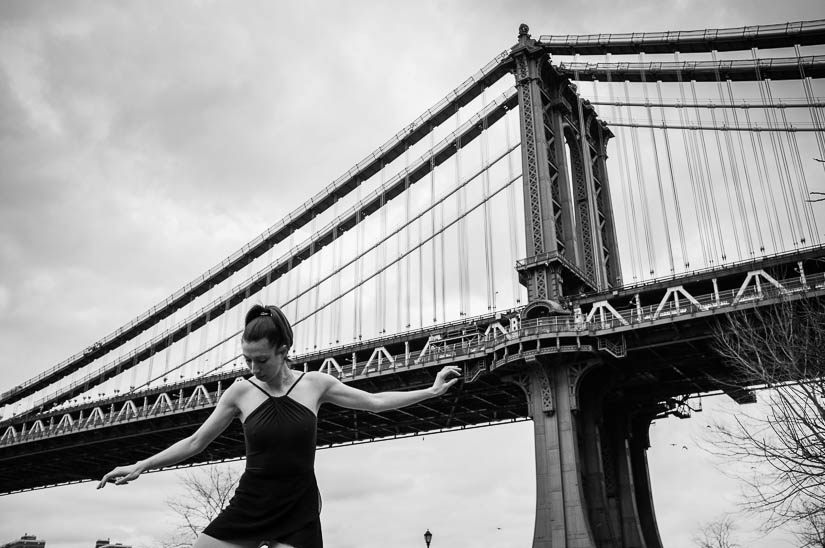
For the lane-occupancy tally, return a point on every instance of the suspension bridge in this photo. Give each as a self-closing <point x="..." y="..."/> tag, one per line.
<point x="488" y="234"/>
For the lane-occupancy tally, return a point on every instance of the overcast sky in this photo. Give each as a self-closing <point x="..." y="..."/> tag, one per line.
<point x="143" y="142"/>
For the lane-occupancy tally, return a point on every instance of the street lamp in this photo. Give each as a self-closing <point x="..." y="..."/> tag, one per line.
<point x="428" y="537"/>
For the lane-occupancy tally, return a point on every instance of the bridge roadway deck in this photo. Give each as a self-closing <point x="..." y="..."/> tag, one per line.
<point x="655" y="350"/>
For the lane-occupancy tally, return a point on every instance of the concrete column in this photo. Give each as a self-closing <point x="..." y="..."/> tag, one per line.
<point x="592" y="484"/>
<point x="561" y="520"/>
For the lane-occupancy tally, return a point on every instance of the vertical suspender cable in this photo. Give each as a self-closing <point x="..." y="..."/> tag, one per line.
<point x="169" y="345"/>
<point x="462" y="197"/>
<point x="488" y="236"/>
<point x="818" y="119"/>
<point x="220" y="352"/>
<point x="309" y="327"/>
<point x="759" y="161"/>
<point x="432" y="222"/>
<point x="640" y="182"/>
<point x="801" y="180"/>
<point x="689" y="141"/>
<point x="359" y="233"/>
<point x="421" y="264"/>
<point x="151" y="353"/>
<point x="776" y="144"/>
<point x="817" y="116"/>
<point x="725" y="182"/>
<point x="754" y="212"/>
<point x="315" y="276"/>
<point x="381" y="260"/>
<point x="442" y="243"/>
<point x="338" y="309"/>
<point x="656" y="162"/>
<point x="335" y="309"/>
<point x="290" y="276"/>
<point x="679" y="225"/>
<point x="185" y="351"/>
<point x="629" y="199"/>
<point x="734" y="170"/>
<point x="407" y="231"/>
<point x="280" y="284"/>
<point x="799" y="171"/>
<point x="624" y="180"/>
<point x="796" y="202"/>
<point x="708" y="177"/>
<point x="132" y="381"/>
<point x="204" y="343"/>
<point x="818" y="125"/>
<point x="266" y="294"/>
<point x="511" y="210"/>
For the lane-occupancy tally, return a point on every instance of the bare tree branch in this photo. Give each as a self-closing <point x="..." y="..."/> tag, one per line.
<point x="782" y="351"/>
<point x="716" y="534"/>
<point x="207" y="491"/>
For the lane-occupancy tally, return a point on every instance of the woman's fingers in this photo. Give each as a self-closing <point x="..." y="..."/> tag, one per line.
<point x="107" y="478"/>
<point x="118" y="476"/>
<point x="449" y="369"/>
<point x="441" y="382"/>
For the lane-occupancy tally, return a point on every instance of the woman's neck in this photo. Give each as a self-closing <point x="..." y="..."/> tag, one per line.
<point x="282" y="381"/>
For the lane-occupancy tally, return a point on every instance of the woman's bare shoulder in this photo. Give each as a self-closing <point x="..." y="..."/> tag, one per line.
<point x="319" y="381"/>
<point x="236" y="390"/>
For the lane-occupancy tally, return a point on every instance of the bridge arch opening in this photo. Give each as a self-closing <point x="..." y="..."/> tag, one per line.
<point x="543" y="309"/>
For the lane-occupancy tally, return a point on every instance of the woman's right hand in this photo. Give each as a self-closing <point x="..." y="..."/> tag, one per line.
<point x="121" y="475"/>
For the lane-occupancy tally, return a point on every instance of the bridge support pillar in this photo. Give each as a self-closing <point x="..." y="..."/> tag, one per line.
<point x="592" y="483"/>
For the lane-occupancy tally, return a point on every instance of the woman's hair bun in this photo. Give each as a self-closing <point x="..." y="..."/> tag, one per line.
<point x="267" y="322"/>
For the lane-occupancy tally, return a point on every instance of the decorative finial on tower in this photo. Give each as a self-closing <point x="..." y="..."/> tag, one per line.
<point x="523" y="34"/>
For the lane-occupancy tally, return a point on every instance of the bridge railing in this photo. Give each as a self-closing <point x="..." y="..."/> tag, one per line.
<point x="723" y="300"/>
<point x="97" y="418"/>
<point x="700" y="40"/>
<point x="704" y="35"/>
<point x="749" y="264"/>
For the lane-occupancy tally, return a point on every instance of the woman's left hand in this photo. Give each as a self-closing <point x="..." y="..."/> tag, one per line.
<point x="441" y="384"/>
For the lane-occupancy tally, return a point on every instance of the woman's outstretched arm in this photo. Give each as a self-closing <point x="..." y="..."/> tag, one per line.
<point x="218" y="420"/>
<point x="352" y="398"/>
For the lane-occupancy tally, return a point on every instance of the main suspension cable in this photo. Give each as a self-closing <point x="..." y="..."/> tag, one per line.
<point x="361" y="280"/>
<point x="380" y="269"/>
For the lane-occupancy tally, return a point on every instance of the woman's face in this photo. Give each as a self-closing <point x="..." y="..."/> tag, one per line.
<point x="262" y="359"/>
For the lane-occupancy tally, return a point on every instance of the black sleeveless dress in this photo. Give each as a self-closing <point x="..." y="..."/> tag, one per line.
<point x="277" y="498"/>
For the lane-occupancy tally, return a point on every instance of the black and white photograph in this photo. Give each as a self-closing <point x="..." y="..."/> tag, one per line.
<point x="412" y="274"/>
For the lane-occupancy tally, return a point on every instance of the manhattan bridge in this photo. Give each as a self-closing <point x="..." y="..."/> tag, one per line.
<point x="567" y="226"/>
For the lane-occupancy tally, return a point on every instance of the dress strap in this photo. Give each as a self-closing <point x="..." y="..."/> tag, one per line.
<point x="268" y="395"/>
<point x="296" y="382"/>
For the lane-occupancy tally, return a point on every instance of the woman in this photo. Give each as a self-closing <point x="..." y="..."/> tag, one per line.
<point x="276" y="502"/>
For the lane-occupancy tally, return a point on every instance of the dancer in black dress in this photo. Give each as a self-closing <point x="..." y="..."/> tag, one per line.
<point x="277" y="502"/>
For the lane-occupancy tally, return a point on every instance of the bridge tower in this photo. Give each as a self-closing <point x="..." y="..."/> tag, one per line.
<point x="591" y="463"/>
<point x="570" y="234"/>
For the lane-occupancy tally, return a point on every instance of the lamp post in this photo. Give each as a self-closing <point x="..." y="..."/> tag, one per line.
<point x="428" y="537"/>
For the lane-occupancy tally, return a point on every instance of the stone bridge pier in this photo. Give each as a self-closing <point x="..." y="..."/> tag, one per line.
<point x="592" y="481"/>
